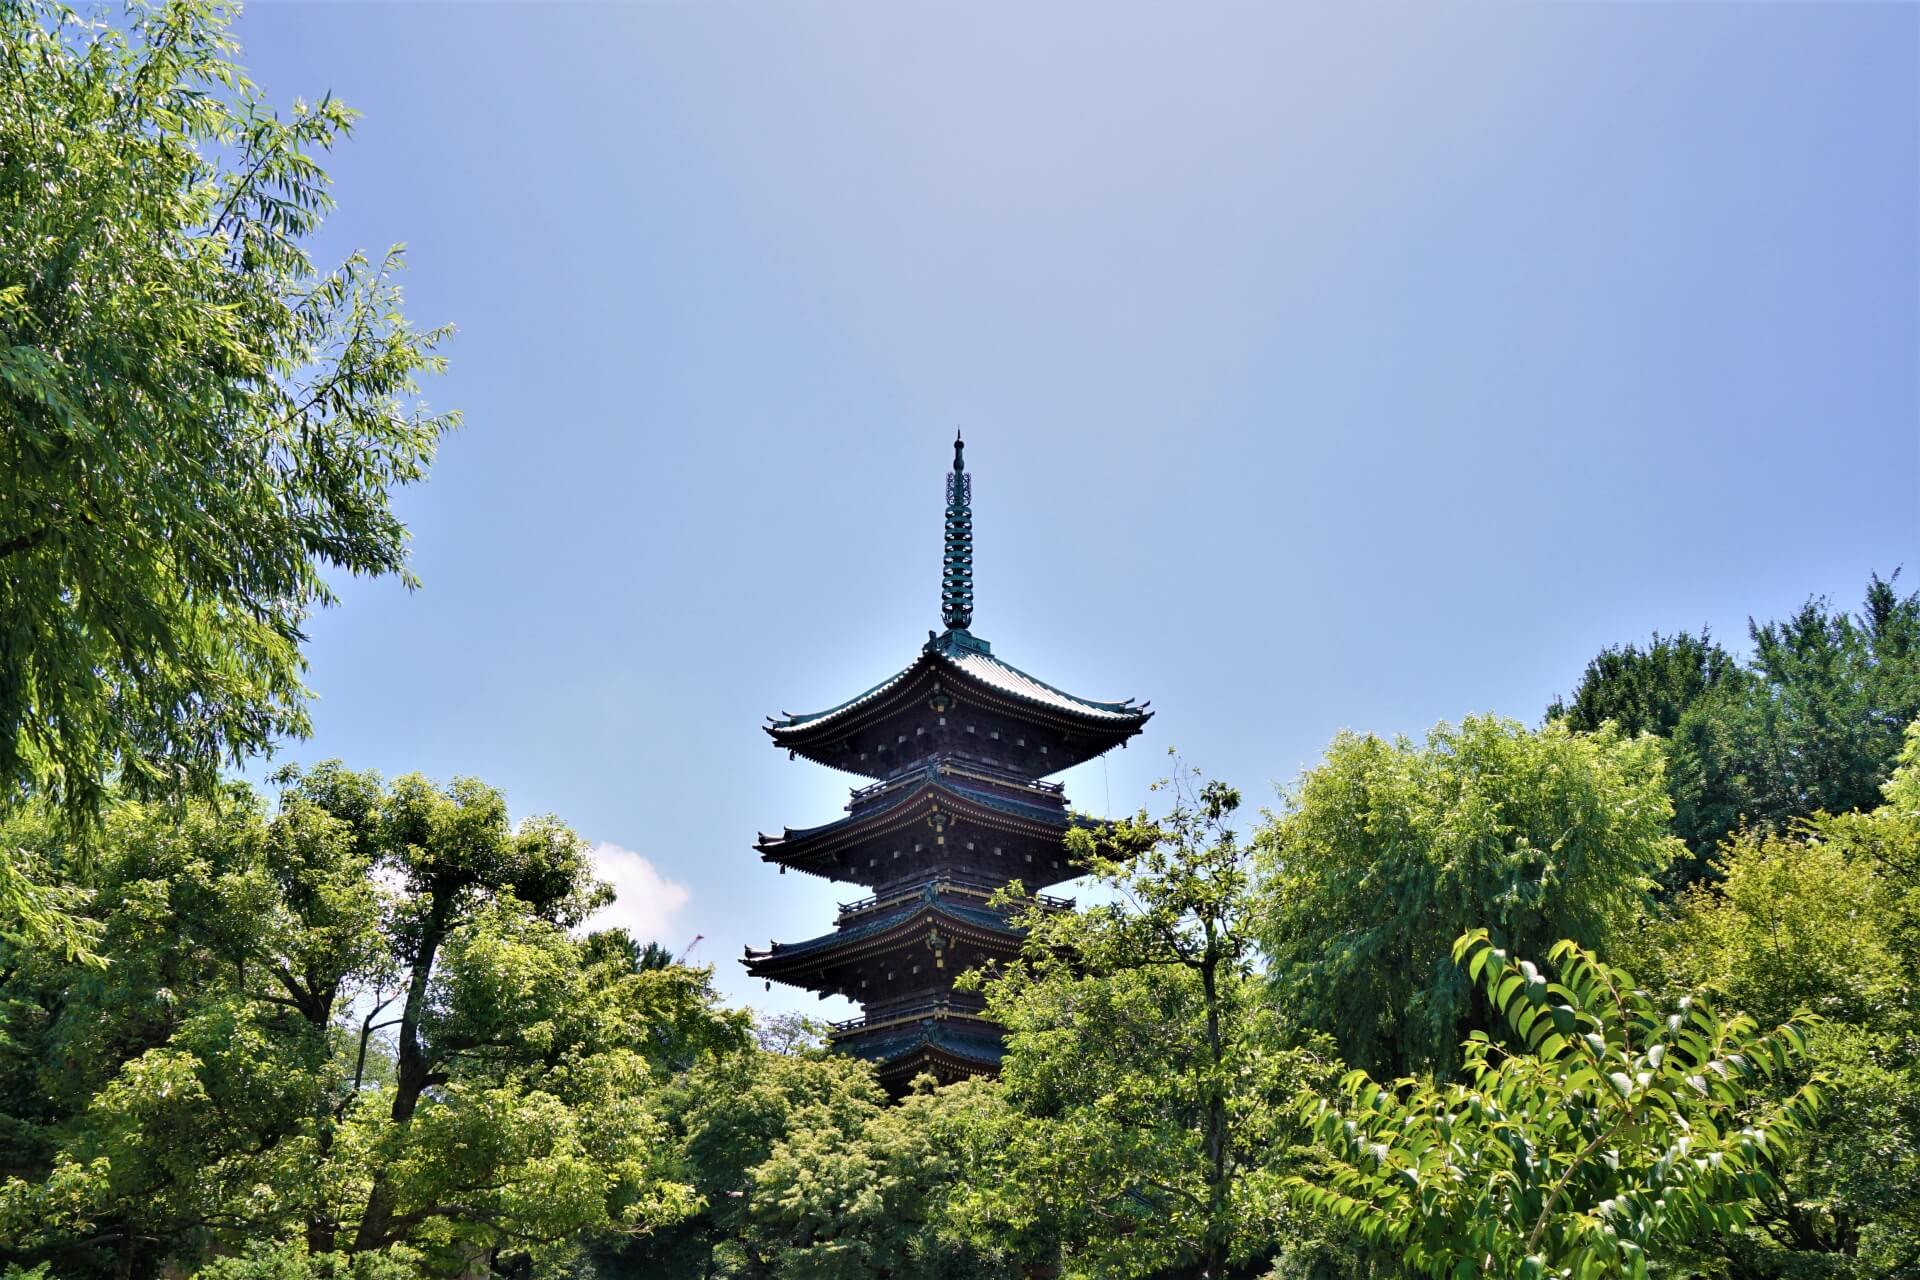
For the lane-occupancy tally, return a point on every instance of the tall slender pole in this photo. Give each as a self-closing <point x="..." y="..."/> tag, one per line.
<point x="956" y="571"/>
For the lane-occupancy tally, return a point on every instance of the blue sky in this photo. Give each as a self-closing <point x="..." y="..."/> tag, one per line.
<point x="1321" y="368"/>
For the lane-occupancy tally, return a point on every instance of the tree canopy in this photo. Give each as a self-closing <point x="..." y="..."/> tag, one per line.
<point x="1811" y="722"/>
<point x="200" y="421"/>
<point x="1826" y="917"/>
<point x="1146" y="1083"/>
<point x="1388" y="851"/>
<point x="1647" y="690"/>
<point x="356" y="1020"/>
<point x="804" y="1171"/>
<point x="1616" y="1127"/>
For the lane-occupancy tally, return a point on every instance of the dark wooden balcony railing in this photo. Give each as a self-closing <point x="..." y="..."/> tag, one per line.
<point x="1005" y="777"/>
<point x="968" y="886"/>
<point x="942" y="1009"/>
<point x="957" y="768"/>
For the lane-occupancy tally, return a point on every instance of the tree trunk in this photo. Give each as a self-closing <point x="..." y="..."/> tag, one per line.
<point x="411" y="1072"/>
<point x="1214" y="1258"/>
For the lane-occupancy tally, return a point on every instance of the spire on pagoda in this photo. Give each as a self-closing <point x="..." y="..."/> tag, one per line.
<point x="956" y="571"/>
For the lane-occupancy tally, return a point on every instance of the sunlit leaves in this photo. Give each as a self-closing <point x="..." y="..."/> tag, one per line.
<point x="198" y="422"/>
<point x="805" y="1171"/>
<point x="1388" y="850"/>
<point x="1825" y="916"/>
<point x="1622" y="1128"/>
<point x="1146" y="1079"/>
<point x="232" y="1074"/>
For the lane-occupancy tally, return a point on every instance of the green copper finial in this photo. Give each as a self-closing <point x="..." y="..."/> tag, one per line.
<point x="956" y="571"/>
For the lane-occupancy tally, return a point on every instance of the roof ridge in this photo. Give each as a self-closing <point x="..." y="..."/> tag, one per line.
<point x="1124" y="707"/>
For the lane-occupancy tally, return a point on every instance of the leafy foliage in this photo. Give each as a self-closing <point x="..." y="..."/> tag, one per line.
<point x="1145" y="1127"/>
<point x="1389" y="850"/>
<point x="1817" y="729"/>
<point x="198" y="420"/>
<point x="356" y="1022"/>
<point x="1618" y="1128"/>
<point x="806" y="1172"/>
<point x="1812" y="723"/>
<point x="1825" y="917"/>
<point x="37" y="910"/>
<point x="282" y="1261"/>
<point x="1647" y="690"/>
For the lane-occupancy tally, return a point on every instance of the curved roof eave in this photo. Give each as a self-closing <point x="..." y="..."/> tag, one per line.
<point x="892" y="1051"/>
<point x="910" y="796"/>
<point x="972" y="661"/>
<point x="971" y="917"/>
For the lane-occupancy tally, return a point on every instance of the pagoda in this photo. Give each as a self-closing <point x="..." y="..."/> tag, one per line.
<point x="958" y="746"/>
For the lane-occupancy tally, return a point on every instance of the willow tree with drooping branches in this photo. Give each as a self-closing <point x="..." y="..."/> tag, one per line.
<point x="199" y="421"/>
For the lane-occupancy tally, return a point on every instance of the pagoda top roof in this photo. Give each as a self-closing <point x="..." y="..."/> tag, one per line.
<point x="971" y="656"/>
<point x="963" y="658"/>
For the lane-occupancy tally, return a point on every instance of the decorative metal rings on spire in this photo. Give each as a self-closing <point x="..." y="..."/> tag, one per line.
<point x="956" y="570"/>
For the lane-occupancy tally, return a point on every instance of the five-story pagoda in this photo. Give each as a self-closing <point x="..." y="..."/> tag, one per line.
<point x="957" y="746"/>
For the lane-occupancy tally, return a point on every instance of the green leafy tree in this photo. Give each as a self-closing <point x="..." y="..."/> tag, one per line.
<point x="870" y="1202"/>
<point x="1816" y="729"/>
<point x="724" y="1118"/>
<point x="1647" y="690"/>
<point x="38" y="910"/>
<point x="1145" y="1124"/>
<point x="1387" y="851"/>
<point x="198" y="420"/>
<point x="1611" y="1134"/>
<point x="356" y="1022"/>
<point x="806" y="1172"/>
<point x="789" y="1033"/>
<point x="1825" y="917"/>
<point x="1811" y="723"/>
<point x="269" y="1261"/>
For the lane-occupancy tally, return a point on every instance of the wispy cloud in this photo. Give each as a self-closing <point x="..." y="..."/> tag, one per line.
<point x="645" y="900"/>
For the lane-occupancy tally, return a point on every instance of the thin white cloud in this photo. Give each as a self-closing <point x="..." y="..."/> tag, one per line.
<point x="645" y="900"/>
